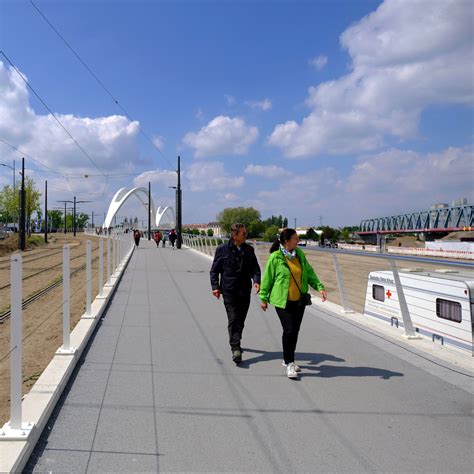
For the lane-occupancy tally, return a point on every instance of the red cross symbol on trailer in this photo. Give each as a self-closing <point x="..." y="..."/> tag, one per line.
<point x="389" y="294"/>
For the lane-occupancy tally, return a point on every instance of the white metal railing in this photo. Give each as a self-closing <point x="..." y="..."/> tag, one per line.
<point x="116" y="255"/>
<point x="342" y="269"/>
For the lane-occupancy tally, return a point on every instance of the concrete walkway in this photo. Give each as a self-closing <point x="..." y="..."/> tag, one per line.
<point x="157" y="391"/>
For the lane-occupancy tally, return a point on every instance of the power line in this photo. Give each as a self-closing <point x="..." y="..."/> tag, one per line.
<point x="20" y="152"/>
<point x="98" y="80"/>
<point x="51" y="112"/>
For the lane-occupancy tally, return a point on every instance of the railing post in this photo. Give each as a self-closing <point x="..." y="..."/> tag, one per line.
<point x="410" y="332"/>
<point x="205" y="243"/>
<point x="341" y="286"/>
<point x="108" y="260"/>
<point x="101" y="266"/>
<point x="16" y="342"/>
<point x="66" y="348"/>
<point x="88" y="278"/>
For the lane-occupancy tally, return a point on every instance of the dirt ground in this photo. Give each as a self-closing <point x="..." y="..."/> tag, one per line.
<point x="42" y="320"/>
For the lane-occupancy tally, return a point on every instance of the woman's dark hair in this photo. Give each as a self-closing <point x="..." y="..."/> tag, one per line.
<point x="285" y="235"/>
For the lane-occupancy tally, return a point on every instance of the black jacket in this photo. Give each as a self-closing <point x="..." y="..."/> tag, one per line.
<point x="233" y="270"/>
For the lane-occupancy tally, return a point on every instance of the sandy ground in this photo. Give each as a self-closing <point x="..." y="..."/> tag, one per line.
<point x="42" y="321"/>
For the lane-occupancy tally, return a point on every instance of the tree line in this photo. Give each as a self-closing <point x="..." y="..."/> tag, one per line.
<point x="268" y="229"/>
<point x="10" y="209"/>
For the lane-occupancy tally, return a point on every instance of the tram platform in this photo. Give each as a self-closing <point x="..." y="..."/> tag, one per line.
<point x="156" y="390"/>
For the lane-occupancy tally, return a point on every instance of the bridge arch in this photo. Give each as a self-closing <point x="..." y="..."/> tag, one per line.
<point x="119" y="199"/>
<point x="161" y="212"/>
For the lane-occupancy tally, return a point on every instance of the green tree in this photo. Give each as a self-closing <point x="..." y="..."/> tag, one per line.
<point x="330" y="234"/>
<point x="312" y="235"/>
<point x="10" y="200"/>
<point x="285" y="222"/>
<point x="81" y="220"/>
<point x="232" y="215"/>
<point x="271" y="233"/>
<point x="210" y="233"/>
<point x="55" y="219"/>
<point x="256" y="228"/>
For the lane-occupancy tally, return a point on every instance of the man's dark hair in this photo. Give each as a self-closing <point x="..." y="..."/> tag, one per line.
<point x="235" y="228"/>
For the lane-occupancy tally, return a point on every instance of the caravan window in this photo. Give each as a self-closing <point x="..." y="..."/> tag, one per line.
<point x="450" y="310"/>
<point x="378" y="292"/>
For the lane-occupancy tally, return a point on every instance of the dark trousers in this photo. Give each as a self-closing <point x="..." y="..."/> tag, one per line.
<point x="290" y="318"/>
<point x="236" y="307"/>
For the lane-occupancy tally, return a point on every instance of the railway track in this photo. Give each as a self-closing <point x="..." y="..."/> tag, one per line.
<point x="26" y="302"/>
<point x="47" y="269"/>
<point x="5" y="262"/>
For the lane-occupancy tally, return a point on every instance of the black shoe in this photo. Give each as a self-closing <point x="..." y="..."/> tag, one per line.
<point x="237" y="356"/>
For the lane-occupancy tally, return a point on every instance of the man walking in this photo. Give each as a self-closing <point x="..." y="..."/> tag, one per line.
<point x="233" y="269"/>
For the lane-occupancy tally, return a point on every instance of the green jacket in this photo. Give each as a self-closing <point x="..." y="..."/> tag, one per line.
<point x="276" y="278"/>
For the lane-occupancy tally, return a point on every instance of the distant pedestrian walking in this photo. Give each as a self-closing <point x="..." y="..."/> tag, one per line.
<point x="163" y="240"/>
<point x="233" y="269"/>
<point x="172" y="238"/>
<point x="285" y="285"/>
<point x="136" y="237"/>
<point x="157" y="238"/>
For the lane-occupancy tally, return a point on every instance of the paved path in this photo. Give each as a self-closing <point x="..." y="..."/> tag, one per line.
<point x="157" y="391"/>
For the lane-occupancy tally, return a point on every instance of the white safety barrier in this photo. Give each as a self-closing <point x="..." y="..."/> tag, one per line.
<point x="17" y="436"/>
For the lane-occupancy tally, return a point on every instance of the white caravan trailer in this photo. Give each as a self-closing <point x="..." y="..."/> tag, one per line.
<point x="440" y="303"/>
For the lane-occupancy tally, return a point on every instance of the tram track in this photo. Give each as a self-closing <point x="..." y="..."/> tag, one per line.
<point x="27" y="301"/>
<point x="46" y="269"/>
<point x="5" y="262"/>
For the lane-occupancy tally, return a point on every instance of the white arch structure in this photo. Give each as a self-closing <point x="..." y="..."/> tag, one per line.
<point x="122" y="195"/>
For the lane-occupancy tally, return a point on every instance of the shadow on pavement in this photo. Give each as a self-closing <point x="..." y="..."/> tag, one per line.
<point x="310" y="361"/>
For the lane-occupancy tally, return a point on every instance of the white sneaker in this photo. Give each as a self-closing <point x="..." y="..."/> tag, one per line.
<point x="291" y="371"/>
<point x="297" y="367"/>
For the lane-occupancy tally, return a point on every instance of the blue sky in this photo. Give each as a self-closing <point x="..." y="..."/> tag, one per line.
<point x="320" y="110"/>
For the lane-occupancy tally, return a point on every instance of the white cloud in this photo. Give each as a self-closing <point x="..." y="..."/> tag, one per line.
<point x="160" y="177"/>
<point x="378" y="185"/>
<point x="267" y="171"/>
<point x="318" y="62"/>
<point x="230" y="99"/>
<point x="159" y="142"/>
<point x="265" y="104"/>
<point x="211" y="176"/>
<point x="222" y="135"/>
<point x="406" y="56"/>
<point x="109" y="141"/>
<point x="230" y="197"/>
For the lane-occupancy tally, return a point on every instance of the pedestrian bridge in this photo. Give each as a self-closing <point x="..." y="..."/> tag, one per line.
<point x="156" y="390"/>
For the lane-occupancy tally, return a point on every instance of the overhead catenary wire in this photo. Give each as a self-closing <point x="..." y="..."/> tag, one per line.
<point x="84" y="152"/>
<point x="102" y="85"/>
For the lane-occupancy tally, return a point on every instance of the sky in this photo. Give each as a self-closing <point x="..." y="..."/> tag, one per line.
<point x="325" y="111"/>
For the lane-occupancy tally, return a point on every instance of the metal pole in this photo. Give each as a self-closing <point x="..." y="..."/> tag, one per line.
<point x="46" y="211"/>
<point x="22" y="211"/>
<point x="179" y="210"/>
<point x="408" y="325"/>
<point x="88" y="278"/>
<point x="341" y="286"/>
<point x="74" y="217"/>
<point x="16" y="341"/>
<point x="65" y="210"/>
<point x="108" y="259"/>
<point x="101" y="266"/>
<point x="66" y="301"/>
<point x="92" y="219"/>
<point x="14" y="192"/>
<point x="149" y="210"/>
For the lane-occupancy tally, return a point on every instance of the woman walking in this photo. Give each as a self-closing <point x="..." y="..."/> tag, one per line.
<point x="285" y="286"/>
<point x="136" y="237"/>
